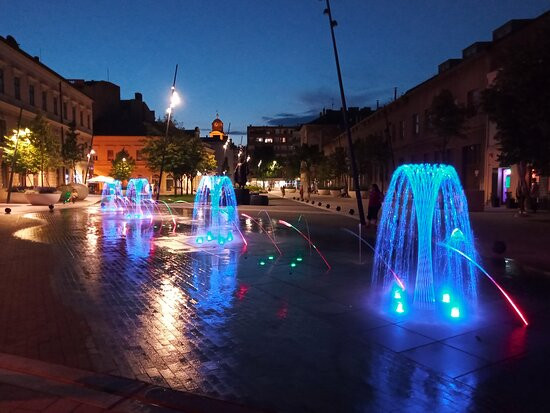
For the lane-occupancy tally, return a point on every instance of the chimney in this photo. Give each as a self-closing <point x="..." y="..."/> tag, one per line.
<point x="138" y="97"/>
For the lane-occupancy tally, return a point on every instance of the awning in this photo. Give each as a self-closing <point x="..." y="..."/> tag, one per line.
<point x="100" y="179"/>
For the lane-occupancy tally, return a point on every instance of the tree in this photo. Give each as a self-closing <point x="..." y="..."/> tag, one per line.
<point x="338" y="164"/>
<point x="122" y="166"/>
<point x="373" y="154"/>
<point x="26" y="161"/>
<point x="46" y="149"/>
<point x="447" y="119"/>
<point x="208" y="163"/>
<point x="72" y="151"/>
<point x="518" y="102"/>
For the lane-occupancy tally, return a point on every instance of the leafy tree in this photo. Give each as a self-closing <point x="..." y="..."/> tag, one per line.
<point x="518" y="102"/>
<point x="208" y="163"/>
<point x="72" y="151"/>
<point x="46" y="150"/>
<point x="26" y="159"/>
<point x="447" y="119"/>
<point x="338" y="164"/>
<point x="373" y="153"/>
<point x="122" y="166"/>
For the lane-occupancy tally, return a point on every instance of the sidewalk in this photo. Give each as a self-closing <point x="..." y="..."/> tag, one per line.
<point x="35" y="386"/>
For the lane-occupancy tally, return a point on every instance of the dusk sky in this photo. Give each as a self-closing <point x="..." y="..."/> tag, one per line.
<point x="254" y="61"/>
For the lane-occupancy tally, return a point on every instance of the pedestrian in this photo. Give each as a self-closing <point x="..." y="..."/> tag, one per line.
<point x="534" y="195"/>
<point x="74" y="195"/>
<point x="375" y="203"/>
<point x="283" y="190"/>
<point x="301" y="192"/>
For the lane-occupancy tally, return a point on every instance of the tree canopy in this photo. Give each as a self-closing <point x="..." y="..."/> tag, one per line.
<point x="72" y="151"/>
<point x="446" y="119"/>
<point x="518" y="102"/>
<point x="122" y="166"/>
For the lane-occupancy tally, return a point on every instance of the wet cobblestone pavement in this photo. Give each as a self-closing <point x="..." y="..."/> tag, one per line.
<point x="133" y="298"/>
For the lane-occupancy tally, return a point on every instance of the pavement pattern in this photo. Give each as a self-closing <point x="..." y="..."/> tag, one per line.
<point x="135" y="299"/>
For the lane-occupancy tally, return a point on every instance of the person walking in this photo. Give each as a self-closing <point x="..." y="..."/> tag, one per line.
<point x="283" y="190"/>
<point x="375" y="203"/>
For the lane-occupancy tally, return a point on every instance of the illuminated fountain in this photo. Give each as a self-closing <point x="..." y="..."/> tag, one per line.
<point x="111" y="196"/>
<point x="139" y="198"/>
<point x="215" y="214"/>
<point x="425" y="208"/>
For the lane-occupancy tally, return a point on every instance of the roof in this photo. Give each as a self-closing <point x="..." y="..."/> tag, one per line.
<point x="12" y="43"/>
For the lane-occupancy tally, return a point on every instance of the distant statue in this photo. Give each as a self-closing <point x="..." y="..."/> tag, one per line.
<point x="241" y="172"/>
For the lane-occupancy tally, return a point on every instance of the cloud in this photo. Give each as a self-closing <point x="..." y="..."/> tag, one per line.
<point x="290" y="119"/>
<point x="315" y="100"/>
<point x="330" y="99"/>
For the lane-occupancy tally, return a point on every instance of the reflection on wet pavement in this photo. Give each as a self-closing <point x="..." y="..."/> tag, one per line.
<point x="215" y="321"/>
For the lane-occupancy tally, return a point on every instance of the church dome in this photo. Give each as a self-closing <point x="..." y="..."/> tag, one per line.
<point x="217" y="125"/>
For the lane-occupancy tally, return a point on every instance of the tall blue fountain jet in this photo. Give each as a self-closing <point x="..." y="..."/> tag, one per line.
<point x="215" y="214"/>
<point x="425" y="206"/>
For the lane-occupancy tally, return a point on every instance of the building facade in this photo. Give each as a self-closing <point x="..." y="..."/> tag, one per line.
<point x="405" y="122"/>
<point x="282" y="140"/>
<point x="28" y="87"/>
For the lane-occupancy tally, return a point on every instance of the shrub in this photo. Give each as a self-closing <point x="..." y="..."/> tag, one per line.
<point x="46" y="189"/>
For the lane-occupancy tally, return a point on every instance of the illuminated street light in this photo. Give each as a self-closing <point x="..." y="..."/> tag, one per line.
<point x="259" y="163"/>
<point x="248" y="158"/>
<point x="174" y="100"/>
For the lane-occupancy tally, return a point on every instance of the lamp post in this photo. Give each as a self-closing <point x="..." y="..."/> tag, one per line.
<point x="174" y="101"/>
<point x="90" y="157"/>
<point x="355" y="175"/>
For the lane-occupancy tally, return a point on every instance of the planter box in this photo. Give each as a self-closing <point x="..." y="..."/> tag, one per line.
<point x="324" y="192"/>
<point x="15" y="197"/>
<point x="259" y="200"/>
<point x="242" y="196"/>
<point x="42" y="199"/>
<point x="335" y="192"/>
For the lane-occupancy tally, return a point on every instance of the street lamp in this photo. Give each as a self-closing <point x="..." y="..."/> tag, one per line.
<point x="355" y="175"/>
<point x="90" y="157"/>
<point x="174" y="101"/>
<point x="17" y="133"/>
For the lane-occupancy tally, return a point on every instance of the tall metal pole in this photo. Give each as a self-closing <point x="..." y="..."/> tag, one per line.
<point x="166" y="134"/>
<point x="10" y="182"/>
<point x="355" y="175"/>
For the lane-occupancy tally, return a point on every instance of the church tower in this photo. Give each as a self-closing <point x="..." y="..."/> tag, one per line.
<point x="217" y="129"/>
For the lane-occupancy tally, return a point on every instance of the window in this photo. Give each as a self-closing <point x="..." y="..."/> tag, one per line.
<point x="74" y="115"/>
<point x="393" y="136"/>
<point x="55" y="105"/>
<point x="139" y="155"/>
<point x="402" y="130"/>
<point x="88" y="121"/>
<point x="415" y="124"/>
<point x="283" y="140"/>
<point x="81" y="118"/>
<point x="110" y="155"/>
<point x="169" y="184"/>
<point x="268" y="140"/>
<point x="31" y="95"/>
<point x="65" y="110"/>
<point x="44" y="101"/>
<point x="259" y="139"/>
<point x="17" y="88"/>
<point x="1" y="82"/>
